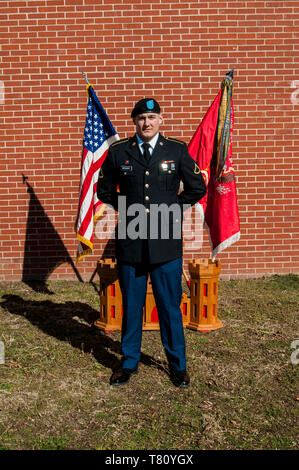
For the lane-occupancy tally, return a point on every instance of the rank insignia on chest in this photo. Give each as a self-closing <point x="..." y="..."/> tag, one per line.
<point x="168" y="166"/>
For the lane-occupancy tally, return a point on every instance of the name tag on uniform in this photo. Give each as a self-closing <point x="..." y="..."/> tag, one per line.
<point x="126" y="169"/>
<point x="168" y="166"/>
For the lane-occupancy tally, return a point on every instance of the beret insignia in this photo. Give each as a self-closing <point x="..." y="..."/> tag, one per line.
<point x="150" y="104"/>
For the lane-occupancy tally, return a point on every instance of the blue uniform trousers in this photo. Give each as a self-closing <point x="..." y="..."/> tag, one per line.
<point x="166" y="279"/>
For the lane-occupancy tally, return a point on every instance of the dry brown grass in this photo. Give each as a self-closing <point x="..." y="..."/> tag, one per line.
<point x="55" y="392"/>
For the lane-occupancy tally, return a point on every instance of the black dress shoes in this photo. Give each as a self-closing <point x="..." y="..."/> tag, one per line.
<point x="180" y="378"/>
<point x="121" y="376"/>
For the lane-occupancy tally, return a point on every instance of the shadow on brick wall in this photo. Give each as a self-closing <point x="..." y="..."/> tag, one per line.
<point x="44" y="250"/>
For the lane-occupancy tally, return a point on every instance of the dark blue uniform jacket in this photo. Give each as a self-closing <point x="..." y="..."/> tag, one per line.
<point x="152" y="230"/>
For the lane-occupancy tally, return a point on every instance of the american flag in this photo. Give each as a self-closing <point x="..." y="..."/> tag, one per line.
<point x="99" y="134"/>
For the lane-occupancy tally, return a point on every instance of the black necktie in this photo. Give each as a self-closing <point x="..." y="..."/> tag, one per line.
<point x="146" y="152"/>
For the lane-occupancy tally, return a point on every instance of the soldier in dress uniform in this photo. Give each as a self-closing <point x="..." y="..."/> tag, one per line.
<point x="143" y="174"/>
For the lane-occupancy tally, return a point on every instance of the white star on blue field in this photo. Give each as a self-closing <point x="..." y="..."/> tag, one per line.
<point x="98" y="127"/>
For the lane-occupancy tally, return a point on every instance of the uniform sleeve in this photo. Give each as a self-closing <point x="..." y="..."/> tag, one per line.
<point x="107" y="182"/>
<point x="190" y="174"/>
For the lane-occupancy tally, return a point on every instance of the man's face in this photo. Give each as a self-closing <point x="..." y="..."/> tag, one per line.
<point x="147" y="125"/>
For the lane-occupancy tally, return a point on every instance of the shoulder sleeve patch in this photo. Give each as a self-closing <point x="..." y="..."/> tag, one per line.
<point x="172" y="139"/>
<point x="118" y="142"/>
<point x="196" y="169"/>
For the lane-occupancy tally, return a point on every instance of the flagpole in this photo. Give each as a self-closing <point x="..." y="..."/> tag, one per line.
<point x="230" y="74"/>
<point x="84" y="76"/>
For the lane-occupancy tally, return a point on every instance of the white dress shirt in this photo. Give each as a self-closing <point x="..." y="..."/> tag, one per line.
<point x="152" y="143"/>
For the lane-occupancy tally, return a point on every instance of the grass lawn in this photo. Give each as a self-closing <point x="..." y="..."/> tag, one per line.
<point x="54" y="384"/>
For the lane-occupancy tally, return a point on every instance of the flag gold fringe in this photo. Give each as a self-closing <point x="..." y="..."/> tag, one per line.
<point x="87" y="87"/>
<point x="88" y="250"/>
<point x="84" y="253"/>
<point x="95" y="217"/>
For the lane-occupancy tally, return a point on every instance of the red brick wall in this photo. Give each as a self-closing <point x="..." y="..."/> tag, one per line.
<point x="177" y="51"/>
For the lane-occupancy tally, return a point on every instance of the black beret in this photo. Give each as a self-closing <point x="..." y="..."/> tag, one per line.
<point x="146" y="105"/>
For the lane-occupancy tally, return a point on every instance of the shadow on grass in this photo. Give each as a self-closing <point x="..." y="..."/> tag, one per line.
<point x="72" y="322"/>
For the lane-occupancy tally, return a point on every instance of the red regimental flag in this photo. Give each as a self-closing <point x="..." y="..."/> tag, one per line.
<point x="211" y="148"/>
<point x="201" y="145"/>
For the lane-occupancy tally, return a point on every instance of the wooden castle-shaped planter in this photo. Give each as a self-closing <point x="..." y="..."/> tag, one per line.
<point x="199" y="311"/>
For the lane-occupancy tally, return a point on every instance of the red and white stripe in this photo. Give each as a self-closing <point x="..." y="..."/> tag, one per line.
<point x="90" y="207"/>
